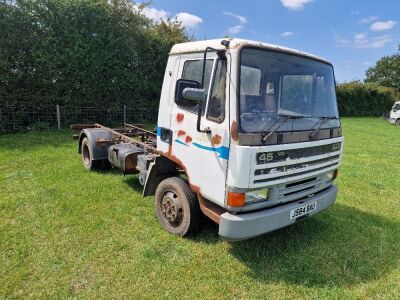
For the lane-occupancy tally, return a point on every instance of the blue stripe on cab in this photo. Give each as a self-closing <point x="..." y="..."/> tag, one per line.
<point x="182" y="143"/>
<point x="222" y="151"/>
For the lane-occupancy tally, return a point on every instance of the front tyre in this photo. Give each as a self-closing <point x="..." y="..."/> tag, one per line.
<point x="177" y="207"/>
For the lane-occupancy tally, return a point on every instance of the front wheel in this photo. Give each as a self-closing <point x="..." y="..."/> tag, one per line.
<point x="398" y="122"/>
<point x="177" y="207"/>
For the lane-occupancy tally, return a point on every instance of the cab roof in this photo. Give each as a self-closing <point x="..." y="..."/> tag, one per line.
<point x="200" y="46"/>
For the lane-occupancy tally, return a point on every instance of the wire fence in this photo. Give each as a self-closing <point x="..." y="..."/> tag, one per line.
<point x="22" y="117"/>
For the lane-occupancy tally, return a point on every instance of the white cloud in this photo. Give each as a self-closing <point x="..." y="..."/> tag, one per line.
<point x="360" y="36"/>
<point x="287" y="34"/>
<point x="378" y="42"/>
<point x="241" y="19"/>
<point x="295" y="4"/>
<point x="188" y="20"/>
<point x="363" y="41"/>
<point x="381" y="26"/>
<point x="235" y="29"/>
<point x="367" y="20"/>
<point x="155" y="14"/>
<point x="343" y="41"/>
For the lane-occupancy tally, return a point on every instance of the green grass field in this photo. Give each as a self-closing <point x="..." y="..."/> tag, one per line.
<point x="66" y="232"/>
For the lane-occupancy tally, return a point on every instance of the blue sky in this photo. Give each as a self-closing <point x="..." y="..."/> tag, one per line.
<point x="352" y="34"/>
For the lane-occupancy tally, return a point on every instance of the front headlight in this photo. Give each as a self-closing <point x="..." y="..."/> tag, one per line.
<point x="330" y="176"/>
<point x="256" y="196"/>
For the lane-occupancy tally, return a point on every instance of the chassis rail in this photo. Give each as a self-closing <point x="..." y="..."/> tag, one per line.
<point x="130" y="134"/>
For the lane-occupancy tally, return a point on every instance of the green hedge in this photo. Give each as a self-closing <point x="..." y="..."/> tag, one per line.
<point x="91" y="53"/>
<point x="364" y="99"/>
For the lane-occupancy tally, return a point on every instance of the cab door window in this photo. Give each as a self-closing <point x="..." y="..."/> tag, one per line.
<point x="192" y="70"/>
<point x="216" y="102"/>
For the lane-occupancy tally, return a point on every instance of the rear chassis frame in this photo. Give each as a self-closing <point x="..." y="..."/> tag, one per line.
<point x="159" y="167"/>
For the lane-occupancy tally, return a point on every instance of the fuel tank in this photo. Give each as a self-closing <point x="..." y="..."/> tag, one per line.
<point x="124" y="157"/>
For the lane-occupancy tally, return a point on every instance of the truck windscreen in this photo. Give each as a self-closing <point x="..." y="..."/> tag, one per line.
<point x="275" y="83"/>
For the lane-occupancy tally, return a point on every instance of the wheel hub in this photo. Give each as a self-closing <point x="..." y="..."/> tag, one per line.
<point x="171" y="208"/>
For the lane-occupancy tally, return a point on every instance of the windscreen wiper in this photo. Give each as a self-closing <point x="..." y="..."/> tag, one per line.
<point x="284" y="115"/>
<point x="318" y="125"/>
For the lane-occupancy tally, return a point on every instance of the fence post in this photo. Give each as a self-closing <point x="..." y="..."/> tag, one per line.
<point x="124" y="113"/>
<point x="58" y="117"/>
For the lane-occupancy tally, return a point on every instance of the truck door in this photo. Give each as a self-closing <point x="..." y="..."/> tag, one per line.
<point x="204" y="156"/>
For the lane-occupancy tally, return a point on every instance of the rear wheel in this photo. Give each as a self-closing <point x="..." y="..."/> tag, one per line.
<point x="87" y="157"/>
<point x="177" y="207"/>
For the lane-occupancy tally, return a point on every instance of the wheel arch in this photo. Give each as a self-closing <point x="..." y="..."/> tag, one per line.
<point x="99" y="151"/>
<point x="160" y="169"/>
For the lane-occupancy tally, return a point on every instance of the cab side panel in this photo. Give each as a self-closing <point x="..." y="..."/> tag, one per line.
<point x="203" y="156"/>
<point x="166" y="100"/>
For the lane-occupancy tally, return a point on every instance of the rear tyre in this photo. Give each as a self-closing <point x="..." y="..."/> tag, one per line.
<point x="87" y="157"/>
<point x="177" y="207"/>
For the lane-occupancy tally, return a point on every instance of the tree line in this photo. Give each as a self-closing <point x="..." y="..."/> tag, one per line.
<point x="96" y="53"/>
<point x="106" y="53"/>
<point x="376" y="95"/>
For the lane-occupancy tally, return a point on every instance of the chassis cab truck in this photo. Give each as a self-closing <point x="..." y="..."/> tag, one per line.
<point x="248" y="134"/>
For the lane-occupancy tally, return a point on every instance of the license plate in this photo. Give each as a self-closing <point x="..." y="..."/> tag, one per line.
<point x="303" y="210"/>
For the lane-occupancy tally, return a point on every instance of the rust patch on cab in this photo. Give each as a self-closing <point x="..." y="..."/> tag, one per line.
<point x="188" y="139"/>
<point x="181" y="132"/>
<point x="234" y="131"/>
<point x="169" y="150"/>
<point x="180" y="117"/>
<point x="194" y="188"/>
<point x="216" y="139"/>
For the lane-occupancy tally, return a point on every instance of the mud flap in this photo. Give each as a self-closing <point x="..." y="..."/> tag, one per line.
<point x="151" y="180"/>
<point x="160" y="169"/>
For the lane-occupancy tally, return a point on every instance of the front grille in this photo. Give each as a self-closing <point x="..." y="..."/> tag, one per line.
<point x="289" y="185"/>
<point x="295" y="166"/>
<point x="302" y="190"/>
<point x="296" y="174"/>
<point x="292" y="154"/>
<point x="297" y="190"/>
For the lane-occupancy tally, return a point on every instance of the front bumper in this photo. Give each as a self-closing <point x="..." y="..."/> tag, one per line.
<point x="248" y="225"/>
<point x="392" y="120"/>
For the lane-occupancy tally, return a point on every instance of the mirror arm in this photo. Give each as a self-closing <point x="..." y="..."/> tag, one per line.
<point x="204" y="65"/>
<point x="206" y="130"/>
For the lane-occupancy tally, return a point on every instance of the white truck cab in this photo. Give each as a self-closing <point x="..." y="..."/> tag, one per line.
<point x="269" y="144"/>
<point x="395" y="114"/>
<point x="248" y="134"/>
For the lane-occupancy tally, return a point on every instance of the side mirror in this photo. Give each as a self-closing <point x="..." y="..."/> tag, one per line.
<point x="198" y="95"/>
<point x="181" y="85"/>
